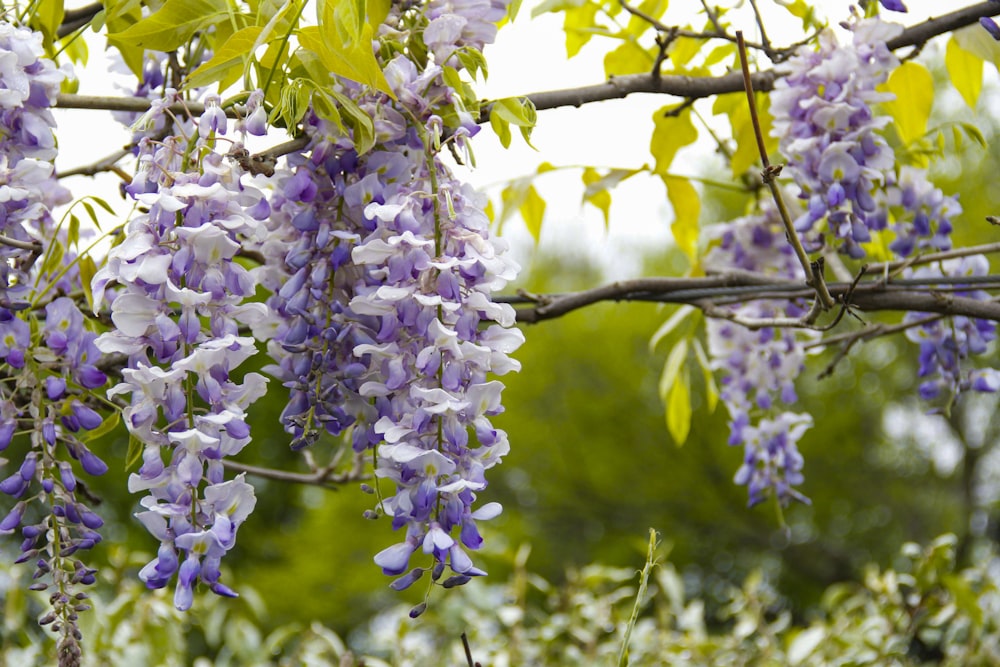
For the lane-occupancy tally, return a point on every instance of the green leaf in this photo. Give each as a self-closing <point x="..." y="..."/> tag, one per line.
<point x="978" y="42"/>
<point x="670" y="134"/>
<point x="747" y="153"/>
<point x="628" y="58"/>
<point x="108" y="425"/>
<point x="578" y="26"/>
<point x="73" y="232"/>
<point x="654" y="9"/>
<point x="87" y="270"/>
<point x="511" y="198"/>
<point x="965" y="599"/>
<point x="684" y="49"/>
<point x="47" y="17"/>
<point x="512" y="111"/>
<point x="345" y="18"/>
<point x="678" y="353"/>
<point x="711" y="388"/>
<point x="687" y="209"/>
<point x="134" y="454"/>
<point x="56" y="252"/>
<point x="965" y="70"/>
<point x="532" y="209"/>
<point x="914" y="89"/>
<point x="973" y="133"/>
<point x="598" y="197"/>
<point x="554" y="6"/>
<point x="501" y="128"/>
<point x="668" y="327"/>
<point x="378" y="11"/>
<point x="679" y="408"/>
<point x="229" y="59"/>
<point x="172" y="25"/>
<point x="356" y="62"/>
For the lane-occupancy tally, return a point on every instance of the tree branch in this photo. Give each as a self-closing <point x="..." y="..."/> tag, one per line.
<point x="698" y="87"/>
<point x="929" y="294"/>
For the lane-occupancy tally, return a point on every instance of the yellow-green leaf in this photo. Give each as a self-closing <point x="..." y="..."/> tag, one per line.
<point x="578" y="26"/>
<point x="670" y="134"/>
<point x="356" y="62"/>
<point x="684" y="49"/>
<point x="978" y="42"/>
<point x="87" y="270"/>
<point x="687" y="209"/>
<point x="679" y="408"/>
<point x="711" y="388"/>
<point x="676" y="358"/>
<point x="532" y="209"/>
<point x="747" y="153"/>
<point x="965" y="70"/>
<point x="229" y="58"/>
<point x="653" y="9"/>
<point x="172" y="25"/>
<point x="105" y="427"/>
<point x="598" y="197"/>
<point x="48" y="15"/>
<point x="628" y="58"/>
<point x="378" y="10"/>
<point x="670" y="325"/>
<point x="914" y="89"/>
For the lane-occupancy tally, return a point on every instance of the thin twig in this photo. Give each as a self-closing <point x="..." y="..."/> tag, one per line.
<point x="107" y="163"/>
<point x="323" y="477"/>
<point x="33" y="246"/>
<point x="769" y="174"/>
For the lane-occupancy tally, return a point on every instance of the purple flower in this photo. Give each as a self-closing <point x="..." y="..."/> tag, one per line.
<point x="991" y="27"/>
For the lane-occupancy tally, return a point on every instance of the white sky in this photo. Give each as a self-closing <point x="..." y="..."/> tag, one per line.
<point x="529" y="56"/>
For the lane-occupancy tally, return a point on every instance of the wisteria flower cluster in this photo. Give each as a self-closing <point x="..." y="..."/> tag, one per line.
<point x="946" y="343"/>
<point x="29" y="84"/>
<point x="387" y="326"/>
<point x="759" y="365"/>
<point x="830" y="132"/>
<point x="177" y="316"/>
<point x="50" y="360"/>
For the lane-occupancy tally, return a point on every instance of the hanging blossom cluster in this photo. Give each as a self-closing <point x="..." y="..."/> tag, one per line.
<point x="830" y="135"/>
<point x="945" y="343"/>
<point x="759" y="366"/>
<point x="382" y="266"/>
<point x="49" y="362"/>
<point x="178" y="315"/>
<point x="29" y="84"/>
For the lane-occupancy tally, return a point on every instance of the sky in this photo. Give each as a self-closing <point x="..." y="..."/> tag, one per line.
<point x="529" y="56"/>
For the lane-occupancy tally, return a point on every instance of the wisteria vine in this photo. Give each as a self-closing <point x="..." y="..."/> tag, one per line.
<point x="369" y="272"/>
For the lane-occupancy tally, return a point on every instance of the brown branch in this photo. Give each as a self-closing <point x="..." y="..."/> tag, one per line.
<point x="74" y="19"/>
<point x="698" y="87"/>
<point x="107" y="163"/>
<point x="133" y="104"/>
<point x="323" y="477"/>
<point x="929" y="294"/>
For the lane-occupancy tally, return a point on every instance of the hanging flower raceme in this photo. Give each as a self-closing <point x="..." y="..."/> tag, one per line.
<point x="947" y="343"/>
<point x="831" y="134"/>
<point x="759" y="365"/>
<point x="48" y="364"/>
<point x="55" y="372"/>
<point x="29" y="84"/>
<point x="381" y="267"/>
<point x="177" y="317"/>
